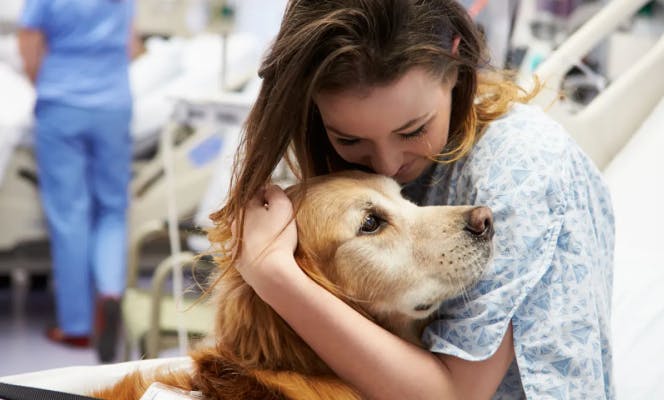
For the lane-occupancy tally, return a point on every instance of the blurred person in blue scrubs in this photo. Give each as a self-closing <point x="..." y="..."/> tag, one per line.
<point x="77" y="54"/>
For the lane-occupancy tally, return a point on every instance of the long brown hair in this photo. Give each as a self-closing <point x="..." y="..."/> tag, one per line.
<point x="339" y="44"/>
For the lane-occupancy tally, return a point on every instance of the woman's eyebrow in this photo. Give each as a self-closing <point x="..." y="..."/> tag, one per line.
<point x="412" y="122"/>
<point x="339" y="133"/>
<point x="405" y="126"/>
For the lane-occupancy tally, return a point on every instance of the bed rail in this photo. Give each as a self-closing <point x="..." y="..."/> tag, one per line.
<point x="607" y="123"/>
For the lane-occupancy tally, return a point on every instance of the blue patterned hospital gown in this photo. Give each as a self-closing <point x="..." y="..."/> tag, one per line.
<point x="553" y="261"/>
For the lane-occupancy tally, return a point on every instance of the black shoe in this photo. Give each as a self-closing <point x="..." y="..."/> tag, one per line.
<point x="108" y="320"/>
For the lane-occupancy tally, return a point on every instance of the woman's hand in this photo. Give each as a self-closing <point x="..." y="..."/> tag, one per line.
<point x="268" y="240"/>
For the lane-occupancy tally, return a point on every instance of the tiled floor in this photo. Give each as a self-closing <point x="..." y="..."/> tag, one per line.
<point x="23" y="319"/>
<point x="26" y="310"/>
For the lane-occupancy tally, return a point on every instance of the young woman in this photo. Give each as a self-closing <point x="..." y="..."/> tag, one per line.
<point x="402" y="88"/>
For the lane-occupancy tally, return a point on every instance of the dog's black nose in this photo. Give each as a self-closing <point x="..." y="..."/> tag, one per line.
<point x="479" y="222"/>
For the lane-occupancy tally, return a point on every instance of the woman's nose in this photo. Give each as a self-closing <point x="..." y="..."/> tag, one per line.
<point x="386" y="163"/>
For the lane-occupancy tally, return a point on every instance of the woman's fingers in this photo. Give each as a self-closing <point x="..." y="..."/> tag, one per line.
<point x="276" y="200"/>
<point x="269" y="234"/>
<point x="257" y="200"/>
<point x="267" y="216"/>
<point x="269" y="197"/>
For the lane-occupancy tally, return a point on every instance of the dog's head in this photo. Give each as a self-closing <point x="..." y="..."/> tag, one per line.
<point x="360" y="239"/>
<point x="384" y="253"/>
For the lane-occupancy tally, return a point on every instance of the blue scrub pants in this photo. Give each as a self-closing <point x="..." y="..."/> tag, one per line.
<point x="84" y="166"/>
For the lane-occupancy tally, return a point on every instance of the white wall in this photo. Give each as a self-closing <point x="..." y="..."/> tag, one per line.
<point x="10" y="10"/>
<point x="260" y="17"/>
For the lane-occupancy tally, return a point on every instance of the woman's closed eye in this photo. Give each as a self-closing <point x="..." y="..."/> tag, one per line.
<point x="414" y="134"/>
<point x="405" y="136"/>
<point x="346" y="141"/>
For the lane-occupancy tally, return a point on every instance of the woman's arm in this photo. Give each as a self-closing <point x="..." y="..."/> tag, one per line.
<point x="378" y="363"/>
<point x="31" y="46"/>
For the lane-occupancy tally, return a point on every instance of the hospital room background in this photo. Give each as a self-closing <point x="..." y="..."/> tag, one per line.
<point x="193" y="82"/>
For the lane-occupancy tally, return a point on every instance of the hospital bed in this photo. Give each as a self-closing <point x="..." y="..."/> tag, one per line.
<point x="627" y="149"/>
<point x="603" y="127"/>
<point x="150" y="315"/>
<point x="171" y="72"/>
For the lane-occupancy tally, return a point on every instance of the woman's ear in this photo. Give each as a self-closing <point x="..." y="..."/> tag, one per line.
<point x="455" y="45"/>
<point x="452" y="77"/>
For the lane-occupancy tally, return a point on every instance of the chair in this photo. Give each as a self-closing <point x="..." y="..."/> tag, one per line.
<point x="150" y="315"/>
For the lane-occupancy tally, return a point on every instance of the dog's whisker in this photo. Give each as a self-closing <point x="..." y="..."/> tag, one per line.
<point x="462" y="287"/>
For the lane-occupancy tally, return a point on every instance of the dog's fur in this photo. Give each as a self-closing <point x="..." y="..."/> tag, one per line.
<point x="360" y="239"/>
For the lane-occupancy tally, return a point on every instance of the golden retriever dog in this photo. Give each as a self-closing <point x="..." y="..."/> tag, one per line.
<point x="391" y="260"/>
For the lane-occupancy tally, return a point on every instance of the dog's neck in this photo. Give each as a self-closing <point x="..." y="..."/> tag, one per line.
<point x="403" y="326"/>
<point x="256" y="337"/>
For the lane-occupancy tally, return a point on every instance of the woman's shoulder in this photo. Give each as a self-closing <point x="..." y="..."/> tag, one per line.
<point x="523" y="139"/>
<point x="528" y="129"/>
<point x="525" y="154"/>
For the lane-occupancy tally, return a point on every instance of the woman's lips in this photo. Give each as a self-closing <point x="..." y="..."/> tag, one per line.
<point x="403" y="171"/>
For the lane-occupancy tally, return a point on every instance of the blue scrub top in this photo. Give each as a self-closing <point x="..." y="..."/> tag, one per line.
<point x="87" y="57"/>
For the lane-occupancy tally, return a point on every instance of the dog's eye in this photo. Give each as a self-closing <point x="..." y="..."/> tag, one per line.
<point x="370" y="224"/>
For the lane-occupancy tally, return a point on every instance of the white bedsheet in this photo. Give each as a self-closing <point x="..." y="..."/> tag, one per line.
<point x="636" y="180"/>
<point x="84" y="379"/>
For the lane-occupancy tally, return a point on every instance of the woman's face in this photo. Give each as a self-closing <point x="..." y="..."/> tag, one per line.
<point x="390" y="129"/>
